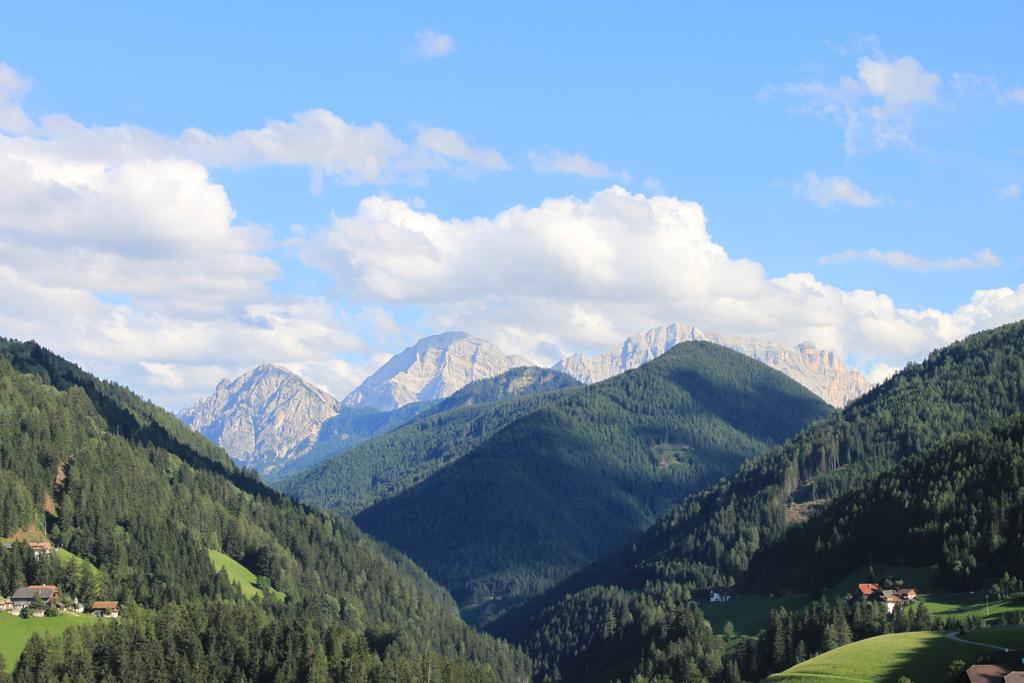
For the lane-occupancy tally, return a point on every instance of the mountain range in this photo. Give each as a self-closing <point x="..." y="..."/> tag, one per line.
<point x="277" y="423"/>
<point x="908" y="472"/>
<point x="498" y="501"/>
<point x="584" y="524"/>
<point x="823" y="372"/>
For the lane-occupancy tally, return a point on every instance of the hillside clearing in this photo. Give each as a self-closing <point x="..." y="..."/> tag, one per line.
<point x="245" y="579"/>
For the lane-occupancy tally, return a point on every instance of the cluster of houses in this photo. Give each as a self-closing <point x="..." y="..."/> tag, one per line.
<point x="49" y="597"/>
<point x="890" y="596"/>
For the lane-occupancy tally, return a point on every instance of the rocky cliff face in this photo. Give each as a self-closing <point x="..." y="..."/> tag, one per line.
<point x="264" y="418"/>
<point x="820" y="371"/>
<point x="435" y="367"/>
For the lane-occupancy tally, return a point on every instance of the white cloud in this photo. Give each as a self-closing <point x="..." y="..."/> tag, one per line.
<point x="317" y="139"/>
<point x="876" y="108"/>
<point x="1011" y="191"/>
<point x="968" y="84"/>
<point x="12" y="88"/>
<point x="557" y="161"/>
<point x="430" y="44"/>
<point x="330" y="146"/>
<point x="577" y="275"/>
<point x="127" y="257"/>
<point x="833" y="190"/>
<point x="440" y="148"/>
<point x="904" y="261"/>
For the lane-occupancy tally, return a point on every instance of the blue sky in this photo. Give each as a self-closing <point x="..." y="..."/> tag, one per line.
<point x="873" y="147"/>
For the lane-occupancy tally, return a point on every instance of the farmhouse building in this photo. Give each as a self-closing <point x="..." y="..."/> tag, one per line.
<point x="106" y="608"/>
<point x="40" y="549"/>
<point x="50" y="595"/>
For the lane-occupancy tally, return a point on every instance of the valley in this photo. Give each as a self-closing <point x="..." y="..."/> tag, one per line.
<point x="404" y="342"/>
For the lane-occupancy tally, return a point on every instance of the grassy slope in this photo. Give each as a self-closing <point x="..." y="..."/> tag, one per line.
<point x="922" y="657"/>
<point x="245" y="579"/>
<point x="15" y="632"/>
<point x="1012" y="638"/>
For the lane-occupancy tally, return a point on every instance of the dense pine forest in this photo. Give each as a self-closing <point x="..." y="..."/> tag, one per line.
<point x="711" y="538"/>
<point x="443" y="432"/>
<point x="128" y="489"/>
<point x="585" y="470"/>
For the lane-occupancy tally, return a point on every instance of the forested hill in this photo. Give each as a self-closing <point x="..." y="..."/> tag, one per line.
<point x="959" y="507"/>
<point x="123" y="485"/>
<point x="444" y="432"/>
<point x="710" y="537"/>
<point x="587" y="469"/>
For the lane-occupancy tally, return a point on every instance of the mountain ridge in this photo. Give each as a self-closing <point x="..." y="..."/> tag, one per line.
<point x="821" y="371"/>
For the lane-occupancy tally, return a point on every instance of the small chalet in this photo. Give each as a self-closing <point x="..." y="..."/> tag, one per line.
<point x="866" y="591"/>
<point x="6" y="605"/>
<point x="50" y="595"/>
<point x="106" y="608"/>
<point x="714" y="594"/>
<point x="40" y="549"/>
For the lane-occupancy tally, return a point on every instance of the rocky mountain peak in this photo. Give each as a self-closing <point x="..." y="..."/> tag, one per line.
<point x="263" y="418"/>
<point x="432" y="368"/>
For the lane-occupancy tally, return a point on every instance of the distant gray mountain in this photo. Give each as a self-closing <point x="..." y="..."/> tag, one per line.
<point x="433" y="368"/>
<point x="820" y="371"/>
<point x="264" y="418"/>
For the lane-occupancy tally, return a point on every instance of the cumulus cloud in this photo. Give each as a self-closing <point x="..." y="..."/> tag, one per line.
<point x="577" y="275"/>
<point x="876" y="108"/>
<point x="557" y="161"/>
<point x="1011" y="191"/>
<point x="430" y="44"/>
<point x="121" y="252"/>
<point x="833" y="190"/>
<point x="904" y="261"/>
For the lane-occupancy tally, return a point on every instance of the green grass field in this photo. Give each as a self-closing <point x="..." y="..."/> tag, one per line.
<point x="245" y="579"/>
<point x="748" y="612"/>
<point x="1011" y="637"/>
<point x="969" y="605"/>
<point x="15" y="632"/>
<point x="922" y="657"/>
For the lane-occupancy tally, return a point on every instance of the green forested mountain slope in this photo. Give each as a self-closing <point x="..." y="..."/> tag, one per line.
<point x="585" y="470"/>
<point x="959" y="506"/>
<point x="447" y="430"/>
<point x="710" y="538"/>
<point x="124" y="485"/>
<point x="346" y="430"/>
